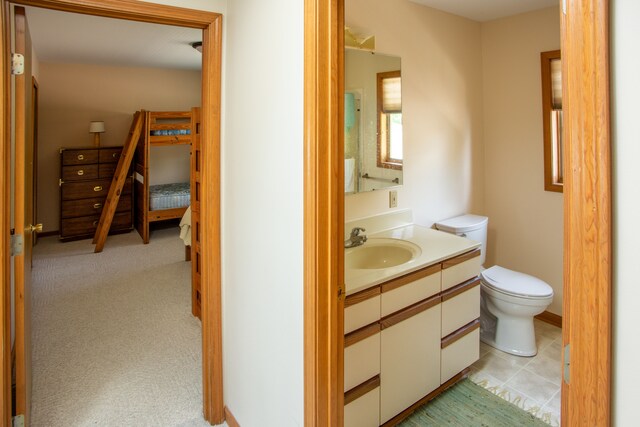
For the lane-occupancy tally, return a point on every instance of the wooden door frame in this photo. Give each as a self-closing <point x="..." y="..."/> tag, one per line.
<point x="587" y="303"/>
<point x="587" y="213"/>
<point x="211" y="25"/>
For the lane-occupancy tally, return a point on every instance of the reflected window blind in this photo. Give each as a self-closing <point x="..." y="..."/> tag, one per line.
<point x="391" y="95"/>
<point x="556" y="84"/>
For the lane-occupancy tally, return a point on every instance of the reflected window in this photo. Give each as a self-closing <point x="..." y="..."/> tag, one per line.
<point x="389" y="96"/>
<point x="552" y="120"/>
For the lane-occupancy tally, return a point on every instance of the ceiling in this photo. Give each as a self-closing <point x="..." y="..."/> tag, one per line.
<point x="69" y="37"/>
<point x="487" y="10"/>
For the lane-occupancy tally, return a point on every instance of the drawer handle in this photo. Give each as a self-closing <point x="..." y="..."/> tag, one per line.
<point x="95" y="222"/>
<point x="80" y="172"/>
<point x="97" y="205"/>
<point x="80" y="157"/>
<point x="97" y="188"/>
<point x="114" y="155"/>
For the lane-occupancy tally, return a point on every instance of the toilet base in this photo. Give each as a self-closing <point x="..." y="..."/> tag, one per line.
<point x="491" y="342"/>
<point x="511" y="334"/>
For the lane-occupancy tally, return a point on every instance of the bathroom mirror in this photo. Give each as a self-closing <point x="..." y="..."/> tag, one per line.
<point x="372" y="122"/>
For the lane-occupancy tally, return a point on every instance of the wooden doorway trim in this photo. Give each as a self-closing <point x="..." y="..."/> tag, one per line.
<point x="211" y="25"/>
<point x="323" y="212"/>
<point x="586" y="400"/>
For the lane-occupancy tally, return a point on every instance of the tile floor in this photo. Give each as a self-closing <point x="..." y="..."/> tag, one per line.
<point x="532" y="383"/>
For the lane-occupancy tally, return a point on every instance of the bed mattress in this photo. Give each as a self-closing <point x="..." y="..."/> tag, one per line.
<point x="169" y="196"/>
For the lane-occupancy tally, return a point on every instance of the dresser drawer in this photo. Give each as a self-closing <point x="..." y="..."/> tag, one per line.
<point x="460" y="352"/>
<point x="79" y="172"/>
<point x="86" y="225"/>
<point x="79" y="157"/>
<point x="110" y="155"/>
<point x="361" y="309"/>
<point x="409" y="289"/>
<point x="362" y="359"/>
<point x="363" y="411"/>
<point x="93" y="206"/>
<point x="106" y="170"/>
<point x="90" y="189"/>
<point x="460" y="305"/>
<point x="460" y="269"/>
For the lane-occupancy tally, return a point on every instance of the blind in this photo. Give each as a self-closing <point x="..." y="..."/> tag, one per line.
<point x="391" y="95"/>
<point x="556" y="84"/>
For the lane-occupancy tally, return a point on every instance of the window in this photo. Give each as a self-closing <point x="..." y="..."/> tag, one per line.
<point x="389" y="97"/>
<point x="552" y="120"/>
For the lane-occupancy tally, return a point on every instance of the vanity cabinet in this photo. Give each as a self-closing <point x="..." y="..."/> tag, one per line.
<point x="406" y="338"/>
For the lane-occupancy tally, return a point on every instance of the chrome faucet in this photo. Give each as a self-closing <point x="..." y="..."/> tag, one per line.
<point x="356" y="239"/>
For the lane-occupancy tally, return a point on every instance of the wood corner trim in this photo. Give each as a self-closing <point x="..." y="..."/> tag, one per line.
<point x="550" y="318"/>
<point x="229" y="418"/>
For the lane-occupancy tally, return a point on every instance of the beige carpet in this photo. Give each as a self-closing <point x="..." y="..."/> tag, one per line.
<point x="113" y="340"/>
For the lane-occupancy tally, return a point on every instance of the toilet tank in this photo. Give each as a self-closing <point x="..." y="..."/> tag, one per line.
<point x="473" y="227"/>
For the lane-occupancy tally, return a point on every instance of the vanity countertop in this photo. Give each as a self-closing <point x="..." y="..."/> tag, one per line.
<point x="436" y="246"/>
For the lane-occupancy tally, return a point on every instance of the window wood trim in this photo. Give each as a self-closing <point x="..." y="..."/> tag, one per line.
<point x="383" y="159"/>
<point x="550" y="183"/>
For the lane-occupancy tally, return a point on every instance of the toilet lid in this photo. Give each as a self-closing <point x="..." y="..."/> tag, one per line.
<point x="514" y="283"/>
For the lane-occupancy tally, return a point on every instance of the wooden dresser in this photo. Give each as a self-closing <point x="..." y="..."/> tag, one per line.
<point x="86" y="175"/>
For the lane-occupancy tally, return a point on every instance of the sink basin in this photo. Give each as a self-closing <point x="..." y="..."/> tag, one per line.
<point x="379" y="253"/>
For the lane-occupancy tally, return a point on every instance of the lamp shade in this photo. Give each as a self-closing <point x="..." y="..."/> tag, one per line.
<point x="96" y="127"/>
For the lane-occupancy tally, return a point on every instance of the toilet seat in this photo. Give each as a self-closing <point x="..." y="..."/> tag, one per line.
<point x="513" y="283"/>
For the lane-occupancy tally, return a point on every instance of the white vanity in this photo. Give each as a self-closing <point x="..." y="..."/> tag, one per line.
<point x="412" y="329"/>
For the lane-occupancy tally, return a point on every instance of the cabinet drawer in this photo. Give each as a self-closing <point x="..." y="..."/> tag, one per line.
<point x="460" y="353"/>
<point x="79" y="157"/>
<point x="460" y="269"/>
<point x="407" y="290"/>
<point x="460" y="305"/>
<point x="79" y="172"/>
<point x="106" y="170"/>
<point x="93" y="206"/>
<point x="90" y="189"/>
<point x="361" y="309"/>
<point x="363" y="411"/>
<point x="86" y="225"/>
<point x="110" y="155"/>
<point x="361" y="361"/>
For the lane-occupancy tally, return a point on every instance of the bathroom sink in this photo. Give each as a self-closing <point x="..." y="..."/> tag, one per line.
<point x="379" y="253"/>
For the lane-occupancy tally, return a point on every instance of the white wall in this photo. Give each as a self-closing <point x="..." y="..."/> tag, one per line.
<point x="525" y="221"/>
<point x="262" y="223"/>
<point x="441" y="108"/>
<point x="626" y="209"/>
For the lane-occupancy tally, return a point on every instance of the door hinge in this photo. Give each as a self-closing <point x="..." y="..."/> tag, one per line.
<point x="60" y="182"/>
<point x="18" y="421"/>
<point x="340" y="292"/>
<point x="566" y="363"/>
<point x="17" y="244"/>
<point x="17" y="64"/>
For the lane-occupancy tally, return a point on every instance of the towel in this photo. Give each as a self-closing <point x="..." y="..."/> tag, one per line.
<point x="185" y="227"/>
<point x="349" y="175"/>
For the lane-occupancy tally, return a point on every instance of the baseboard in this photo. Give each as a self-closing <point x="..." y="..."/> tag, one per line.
<point x="550" y="318"/>
<point x="49" y="233"/>
<point x="229" y="418"/>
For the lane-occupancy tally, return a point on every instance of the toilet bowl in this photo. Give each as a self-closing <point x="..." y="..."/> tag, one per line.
<point x="508" y="299"/>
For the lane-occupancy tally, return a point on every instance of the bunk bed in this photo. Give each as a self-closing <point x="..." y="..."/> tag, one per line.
<point x="155" y="203"/>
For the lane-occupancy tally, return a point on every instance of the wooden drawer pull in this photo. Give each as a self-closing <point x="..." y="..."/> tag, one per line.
<point x="80" y="172"/>
<point x="97" y="188"/>
<point x="80" y="157"/>
<point x="97" y="205"/>
<point x="114" y="155"/>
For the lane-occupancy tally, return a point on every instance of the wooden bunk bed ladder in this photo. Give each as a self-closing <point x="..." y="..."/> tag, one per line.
<point x="119" y="177"/>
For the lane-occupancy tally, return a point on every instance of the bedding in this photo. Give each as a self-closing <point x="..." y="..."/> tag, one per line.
<point x="170" y="132"/>
<point x="169" y="196"/>
<point x="185" y="227"/>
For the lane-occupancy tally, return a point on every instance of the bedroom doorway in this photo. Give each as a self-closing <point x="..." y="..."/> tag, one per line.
<point x="210" y="24"/>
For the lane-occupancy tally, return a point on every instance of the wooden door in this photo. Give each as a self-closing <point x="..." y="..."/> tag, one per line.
<point x="23" y="179"/>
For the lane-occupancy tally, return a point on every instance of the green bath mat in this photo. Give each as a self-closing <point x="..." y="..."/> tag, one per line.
<point x="469" y="405"/>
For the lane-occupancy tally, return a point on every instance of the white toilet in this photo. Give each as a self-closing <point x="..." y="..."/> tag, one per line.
<point x="509" y="299"/>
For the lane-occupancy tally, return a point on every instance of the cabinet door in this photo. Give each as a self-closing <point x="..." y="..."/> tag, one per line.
<point x="410" y="357"/>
